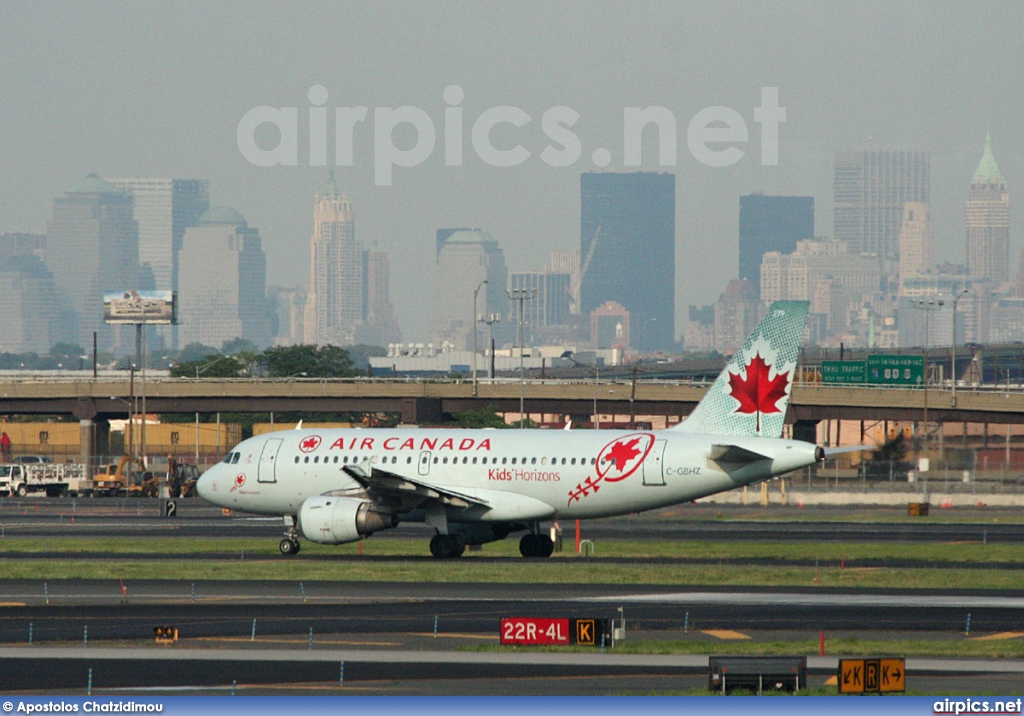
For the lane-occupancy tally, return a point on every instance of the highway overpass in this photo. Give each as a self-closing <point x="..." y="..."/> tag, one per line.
<point x="428" y="401"/>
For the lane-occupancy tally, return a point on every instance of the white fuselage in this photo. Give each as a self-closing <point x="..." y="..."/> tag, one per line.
<point x="520" y="475"/>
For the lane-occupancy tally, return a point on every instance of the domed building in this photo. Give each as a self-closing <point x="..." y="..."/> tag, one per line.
<point x="222" y="282"/>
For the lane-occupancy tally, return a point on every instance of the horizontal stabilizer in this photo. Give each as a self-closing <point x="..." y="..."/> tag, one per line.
<point x="851" y="448"/>
<point x="735" y="455"/>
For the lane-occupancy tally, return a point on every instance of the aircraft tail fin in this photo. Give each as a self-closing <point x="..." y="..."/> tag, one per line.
<point x="751" y="395"/>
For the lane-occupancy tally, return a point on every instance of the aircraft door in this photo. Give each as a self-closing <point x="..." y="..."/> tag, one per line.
<point x="425" y="462"/>
<point x="654" y="465"/>
<point x="267" y="470"/>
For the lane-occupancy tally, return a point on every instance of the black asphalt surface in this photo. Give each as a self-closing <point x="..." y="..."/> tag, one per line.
<point x="385" y="616"/>
<point x="57" y="517"/>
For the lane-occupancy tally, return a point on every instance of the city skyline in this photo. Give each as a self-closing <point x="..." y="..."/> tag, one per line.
<point x="176" y="114"/>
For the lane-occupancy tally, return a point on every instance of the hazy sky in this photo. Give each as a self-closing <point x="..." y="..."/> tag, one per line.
<point x="159" y="89"/>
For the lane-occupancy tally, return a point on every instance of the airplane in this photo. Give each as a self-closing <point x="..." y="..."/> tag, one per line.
<point x="336" y="486"/>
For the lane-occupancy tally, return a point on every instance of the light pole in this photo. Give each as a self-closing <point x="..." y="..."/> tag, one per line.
<point x="491" y="319"/>
<point x="522" y="295"/>
<point x="477" y="291"/>
<point x="956" y="301"/>
<point x="926" y="306"/>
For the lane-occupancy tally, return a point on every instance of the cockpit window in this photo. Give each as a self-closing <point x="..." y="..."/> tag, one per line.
<point x="234" y="460"/>
<point x="227" y="458"/>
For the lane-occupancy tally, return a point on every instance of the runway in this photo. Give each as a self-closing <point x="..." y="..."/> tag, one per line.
<point x="99" y="517"/>
<point x="276" y="636"/>
<point x="228" y="609"/>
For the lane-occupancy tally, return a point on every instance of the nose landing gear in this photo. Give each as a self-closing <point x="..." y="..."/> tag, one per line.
<point x="290" y="544"/>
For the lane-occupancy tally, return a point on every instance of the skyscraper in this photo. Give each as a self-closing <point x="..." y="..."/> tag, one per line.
<point x="223" y="282"/>
<point x="336" y="299"/>
<point x="164" y="208"/>
<point x="93" y="247"/>
<point x="771" y="223"/>
<point x="870" y="190"/>
<point x="550" y="305"/>
<point x="465" y="258"/>
<point x="988" y="222"/>
<point x="381" y="325"/>
<point x="917" y="240"/>
<point x="568" y="262"/>
<point x="628" y="249"/>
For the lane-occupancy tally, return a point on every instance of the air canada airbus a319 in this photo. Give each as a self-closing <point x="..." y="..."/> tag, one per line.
<point x="476" y="486"/>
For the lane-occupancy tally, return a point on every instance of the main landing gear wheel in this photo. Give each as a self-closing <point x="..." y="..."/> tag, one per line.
<point x="289" y="546"/>
<point x="532" y="545"/>
<point x="446" y="546"/>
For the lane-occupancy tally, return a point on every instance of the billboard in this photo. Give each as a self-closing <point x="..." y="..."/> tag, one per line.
<point x="139" y="307"/>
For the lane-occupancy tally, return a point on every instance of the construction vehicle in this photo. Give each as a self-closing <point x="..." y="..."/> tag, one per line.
<point x="181" y="478"/>
<point x="127" y="476"/>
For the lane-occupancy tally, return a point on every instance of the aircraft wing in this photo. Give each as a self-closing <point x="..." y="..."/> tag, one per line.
<point x="735" y="455"/>
<point x="407" y="489"/>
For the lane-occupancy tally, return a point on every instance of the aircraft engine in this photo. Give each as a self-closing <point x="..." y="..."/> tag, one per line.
<point x="337" y="520"/>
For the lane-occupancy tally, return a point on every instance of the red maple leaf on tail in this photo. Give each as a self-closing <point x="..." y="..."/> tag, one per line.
<point x="758" y="393"/>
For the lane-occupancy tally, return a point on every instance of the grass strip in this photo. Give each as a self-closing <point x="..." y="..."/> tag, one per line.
<point x="837" y="646"/>
<point x="479" y="570"/>
<point x="825" y="553"/>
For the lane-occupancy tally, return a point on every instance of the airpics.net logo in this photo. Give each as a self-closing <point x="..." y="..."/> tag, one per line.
<point x="715" y="136"/>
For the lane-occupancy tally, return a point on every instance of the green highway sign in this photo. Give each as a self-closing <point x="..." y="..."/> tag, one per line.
<point x="843" y="371"/>
<point x="895" y="370"/>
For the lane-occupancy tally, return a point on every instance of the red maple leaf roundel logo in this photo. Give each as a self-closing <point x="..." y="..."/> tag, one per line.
<point x="239" y="479"/>
<point x="309" y="444"/>
<point x="757" y="393"/>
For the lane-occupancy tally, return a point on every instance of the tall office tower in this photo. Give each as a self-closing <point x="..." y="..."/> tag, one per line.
<point x="550" y="305"/>
<point x="628" y="249"/>
<point x="381" y="324"/>
<point x="22" y="244"/>
<point x="917" y="240"/>
<point x="568" y="262"/>
<point x="164" y="208"/>
<point x="222" y="290"/>
<point x="92" y="247"/>
<point x="870" y="190"/>
<point x="988" y="222"/>
<point x="771" y="223"/>
<point x="34" y="313"/>
<point x="465" y="258"/>
<point x="335" y="299"/>
<point x="736" y="316"/>
<point x="290" y="306"/>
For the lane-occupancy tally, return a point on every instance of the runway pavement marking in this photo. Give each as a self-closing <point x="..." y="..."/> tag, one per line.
<point x="457" y="636"/>
<point x="12" y="604"/>
<point x="1000" y="635"/>
<point x="725" y="634"/>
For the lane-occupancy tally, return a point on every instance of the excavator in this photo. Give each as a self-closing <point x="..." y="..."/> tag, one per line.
<point x="128" y="477"/>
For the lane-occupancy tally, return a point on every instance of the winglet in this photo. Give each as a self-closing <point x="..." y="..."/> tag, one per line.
<point x="751" y="395"/>
<point x="298" y="426"/>
<point x="568" y="425"/>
